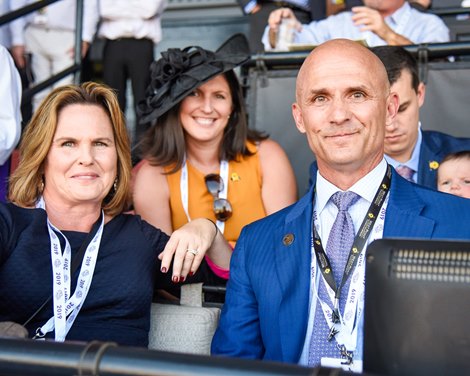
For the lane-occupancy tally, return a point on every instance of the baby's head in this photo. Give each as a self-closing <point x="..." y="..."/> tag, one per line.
<point x="453" y="175"/>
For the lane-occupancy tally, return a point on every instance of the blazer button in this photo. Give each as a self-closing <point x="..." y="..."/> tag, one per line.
<point x="288" y="239"/>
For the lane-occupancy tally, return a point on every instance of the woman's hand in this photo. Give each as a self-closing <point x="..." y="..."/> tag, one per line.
<point x="187" y="247"/>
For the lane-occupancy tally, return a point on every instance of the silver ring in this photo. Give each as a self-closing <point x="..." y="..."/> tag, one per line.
<point x="192" y="251"/>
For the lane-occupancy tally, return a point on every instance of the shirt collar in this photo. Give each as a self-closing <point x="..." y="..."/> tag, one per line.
<point x="365" y="187"/>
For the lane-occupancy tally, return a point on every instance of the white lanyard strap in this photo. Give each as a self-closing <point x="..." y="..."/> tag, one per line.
<point x="66" y="308"/>
<point x="224" y="167"/>
<point x="347" y="328"/>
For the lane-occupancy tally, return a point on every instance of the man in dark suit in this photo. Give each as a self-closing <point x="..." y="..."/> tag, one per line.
<point x="406" y="144"/>
<point x="305" y="11"/>
<point x="281" y="303"/>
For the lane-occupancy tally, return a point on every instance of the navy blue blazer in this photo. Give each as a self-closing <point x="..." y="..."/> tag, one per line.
<point x="266" y="308"/>
<point x="434" y="147"/>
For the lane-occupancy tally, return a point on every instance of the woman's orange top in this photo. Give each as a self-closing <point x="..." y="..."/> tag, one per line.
<point x="243" y="193"/>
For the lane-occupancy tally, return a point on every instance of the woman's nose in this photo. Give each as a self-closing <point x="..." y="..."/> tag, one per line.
<point x="207" y="105"/>
<point x="86" y="155"/>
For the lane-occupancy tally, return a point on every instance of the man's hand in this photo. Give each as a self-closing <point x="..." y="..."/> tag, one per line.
<point x="18" y="55"/>
<point x="368" y="19"/>
<point x="84" y="49"/>
<point x="256" y="8"/>
<point x="275" y="19"/>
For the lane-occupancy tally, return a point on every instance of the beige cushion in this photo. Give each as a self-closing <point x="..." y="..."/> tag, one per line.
<point x="186" y="328"/>
<point x="182" y="329"/>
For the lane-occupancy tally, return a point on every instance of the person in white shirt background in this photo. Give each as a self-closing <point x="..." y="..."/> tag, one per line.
<point x="10" y="115"/>
<point x="5" y="37"/>
<point x="378" y="22"/>
<point x="49" y="36"/>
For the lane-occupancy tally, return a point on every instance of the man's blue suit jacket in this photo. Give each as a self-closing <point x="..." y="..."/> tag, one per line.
<point x="434" y="147"/>
<point x="266" y="308"/>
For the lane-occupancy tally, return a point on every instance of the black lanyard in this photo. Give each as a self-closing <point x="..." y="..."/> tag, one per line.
<point x="359" y="242"/>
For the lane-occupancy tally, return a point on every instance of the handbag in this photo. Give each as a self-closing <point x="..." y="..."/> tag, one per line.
<point x="10" y="329"/>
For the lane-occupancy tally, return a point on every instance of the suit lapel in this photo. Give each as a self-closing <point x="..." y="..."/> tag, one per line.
<point x="292" y="258"/>
<point x="404" y="216"/>
<point x="427" y="170"/>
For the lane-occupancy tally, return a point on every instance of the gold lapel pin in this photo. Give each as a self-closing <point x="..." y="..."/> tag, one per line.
<point x="288" y="239"/>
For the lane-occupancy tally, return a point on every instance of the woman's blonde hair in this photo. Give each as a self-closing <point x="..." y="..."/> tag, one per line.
<point x="27" y="181"/>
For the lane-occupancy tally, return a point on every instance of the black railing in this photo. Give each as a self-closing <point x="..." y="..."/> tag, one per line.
<point x="450" y="11"/>
<point x="295" y="58"/>
<point x="48" y="358"/>
<point x="17" y="13"/>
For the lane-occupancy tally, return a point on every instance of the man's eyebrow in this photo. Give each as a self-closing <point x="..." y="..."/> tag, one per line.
<point x="359" y="88"/>
<point x="318" y="91"/>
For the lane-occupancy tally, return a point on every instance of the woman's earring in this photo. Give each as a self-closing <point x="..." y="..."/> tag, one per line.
<point x="115" y="185"/>
<point x="41" y="185"/>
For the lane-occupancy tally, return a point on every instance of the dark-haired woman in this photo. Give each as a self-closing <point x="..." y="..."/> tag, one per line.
<point x="200" y="158"/>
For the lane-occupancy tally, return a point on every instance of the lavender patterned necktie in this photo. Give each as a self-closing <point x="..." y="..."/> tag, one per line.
<point x="339" y="244"/>
<point x="406" y="172"/>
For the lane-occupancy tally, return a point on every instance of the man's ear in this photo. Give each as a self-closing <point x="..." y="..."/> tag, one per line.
<point x="421" y="93"/>
<point x="393" y="103"/>
<point x="298" y="118"/>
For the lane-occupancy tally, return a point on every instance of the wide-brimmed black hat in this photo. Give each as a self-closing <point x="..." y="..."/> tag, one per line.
<point x="179" y="71"/>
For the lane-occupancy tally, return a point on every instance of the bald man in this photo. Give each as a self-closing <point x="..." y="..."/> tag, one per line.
<point x="282" y="304"/>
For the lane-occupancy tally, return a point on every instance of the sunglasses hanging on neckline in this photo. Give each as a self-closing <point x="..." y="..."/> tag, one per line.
<point x="222" y="207"/>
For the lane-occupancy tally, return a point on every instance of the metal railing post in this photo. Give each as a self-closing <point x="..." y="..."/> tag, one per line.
<point x="78" y="39"/>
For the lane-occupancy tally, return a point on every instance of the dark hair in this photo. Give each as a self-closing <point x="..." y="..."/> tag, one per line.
<point x="164" y="145"/>
<point x="396" y="59"/>
<point x="464" y="154"/>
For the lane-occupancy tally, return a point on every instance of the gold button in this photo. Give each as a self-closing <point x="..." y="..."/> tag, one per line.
<point x="288" y="239"/>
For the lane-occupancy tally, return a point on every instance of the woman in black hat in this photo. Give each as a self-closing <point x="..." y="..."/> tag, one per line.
<point x="200" y="159"/>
